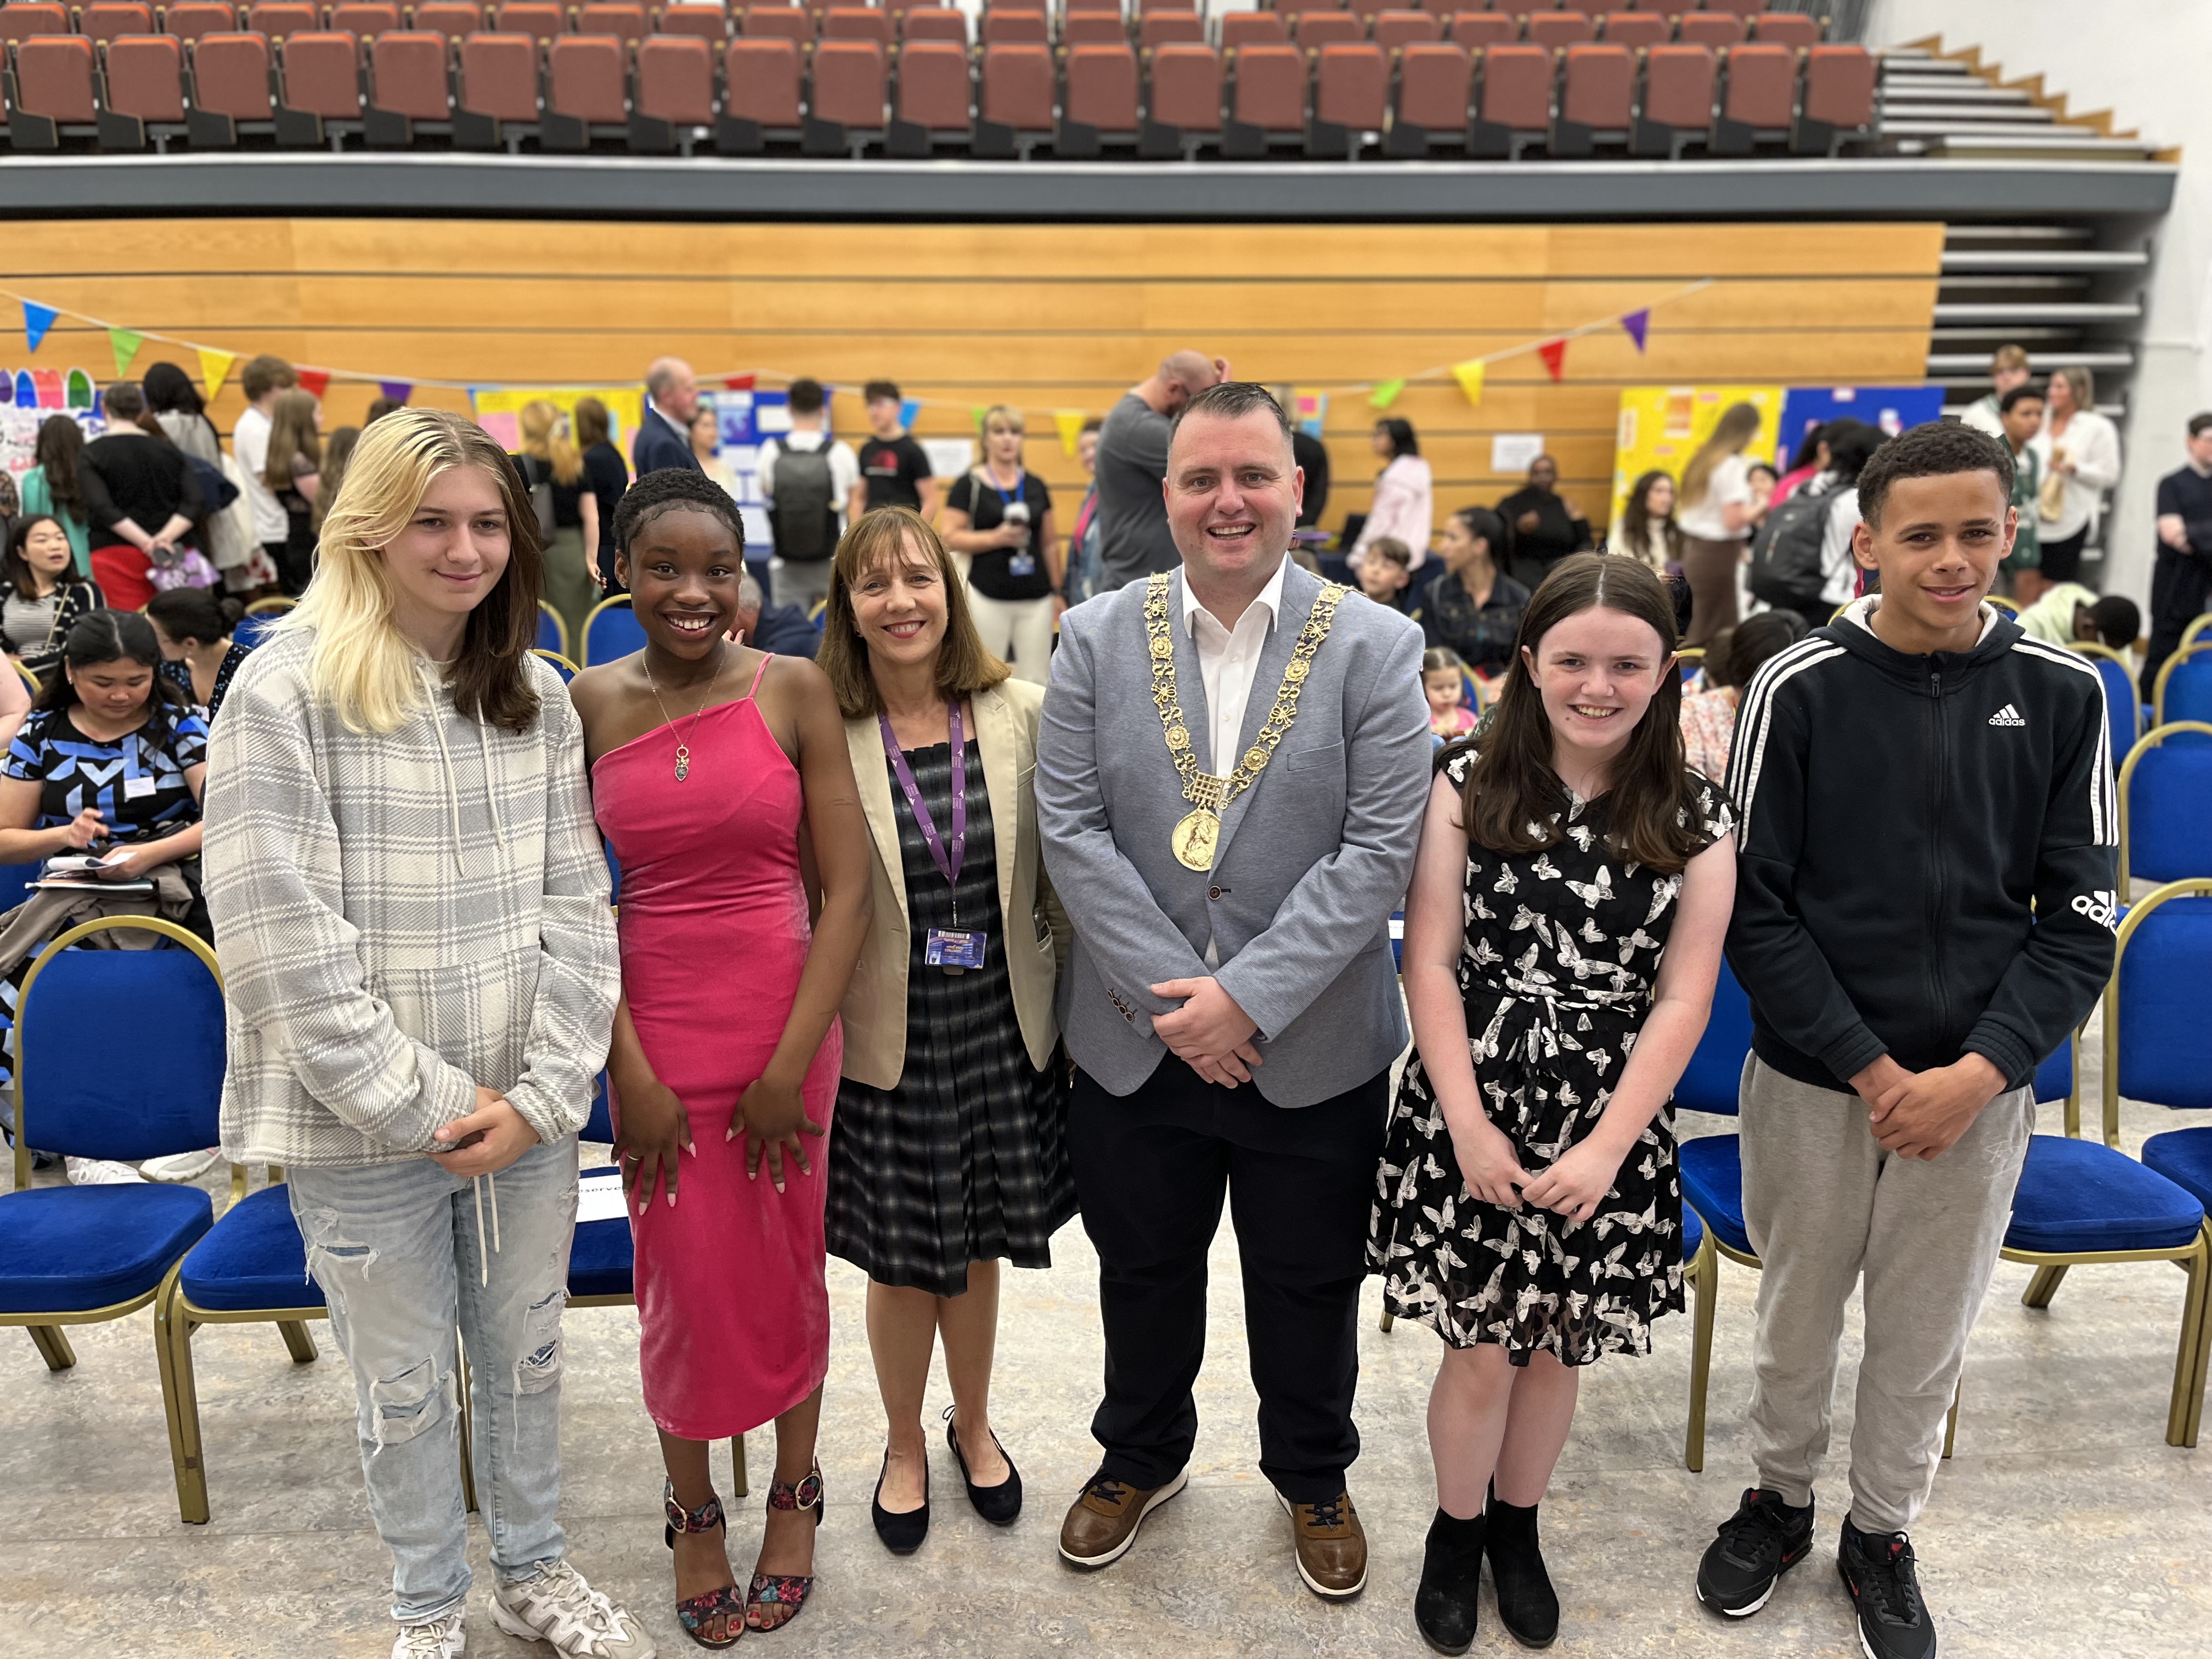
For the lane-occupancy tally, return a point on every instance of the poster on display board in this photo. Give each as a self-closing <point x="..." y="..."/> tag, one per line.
<point x="1892" y="408"/>
<point x="20" y="424"/>
<point x="496" y="410"/>
<point x="746" y="420"/>
<point x="1661" y="426"/>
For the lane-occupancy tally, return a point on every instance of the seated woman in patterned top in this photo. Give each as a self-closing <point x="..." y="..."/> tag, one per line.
<point x="193" y="625"/>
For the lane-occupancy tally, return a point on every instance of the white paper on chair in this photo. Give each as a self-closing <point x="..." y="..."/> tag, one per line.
<point x="599" y="1196"/>
<point x="1514" y="452"/>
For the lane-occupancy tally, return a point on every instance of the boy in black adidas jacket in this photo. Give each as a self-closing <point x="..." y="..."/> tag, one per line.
<point x="1924" y="911"/>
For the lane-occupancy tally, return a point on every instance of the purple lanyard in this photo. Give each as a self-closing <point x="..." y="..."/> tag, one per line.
<point x="948" y="865"/>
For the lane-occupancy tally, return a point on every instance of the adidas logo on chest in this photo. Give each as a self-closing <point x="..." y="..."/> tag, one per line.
<point x="2007" y="716"/>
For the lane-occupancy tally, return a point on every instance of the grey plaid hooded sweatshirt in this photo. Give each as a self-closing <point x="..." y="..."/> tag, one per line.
<point x="401" y="917"/>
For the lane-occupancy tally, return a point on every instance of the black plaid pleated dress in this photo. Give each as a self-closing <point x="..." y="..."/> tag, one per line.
<point x="966" y="1159"/>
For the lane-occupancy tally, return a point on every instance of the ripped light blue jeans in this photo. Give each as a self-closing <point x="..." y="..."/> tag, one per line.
<point x="394" y="1248"/>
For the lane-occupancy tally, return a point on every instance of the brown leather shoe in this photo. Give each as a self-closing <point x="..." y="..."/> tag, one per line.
<point x="1102" y="1523"/>
<point x="1332" y="1545"/>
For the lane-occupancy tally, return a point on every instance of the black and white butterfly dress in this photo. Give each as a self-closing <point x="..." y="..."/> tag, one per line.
<point x="1562" y="953"/>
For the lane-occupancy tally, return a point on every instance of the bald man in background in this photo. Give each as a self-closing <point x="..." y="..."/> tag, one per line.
<point x="664" y="436"/>
<point x="1133" y="538"/>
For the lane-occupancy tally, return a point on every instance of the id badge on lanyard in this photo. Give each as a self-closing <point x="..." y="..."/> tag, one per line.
<point x="953" y="949"/>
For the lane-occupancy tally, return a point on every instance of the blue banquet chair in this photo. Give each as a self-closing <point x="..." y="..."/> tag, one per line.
<point x="2165" y="806"/>
<point x="611" y="630"/>
<point x="552" y="631"/>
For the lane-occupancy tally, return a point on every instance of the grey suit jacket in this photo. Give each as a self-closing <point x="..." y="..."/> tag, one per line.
<point x="1312" y="858"/>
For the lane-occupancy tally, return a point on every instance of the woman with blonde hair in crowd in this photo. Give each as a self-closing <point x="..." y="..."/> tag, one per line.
<point x="293" y="477"/>
<point x="1715" y="511"/>
<point x="2080" y="453"/>
<point x="952" y="1149"/>
<point x="419" y="1001"/>
<point x="999" y="515"/>
<point x="567" y="512"/>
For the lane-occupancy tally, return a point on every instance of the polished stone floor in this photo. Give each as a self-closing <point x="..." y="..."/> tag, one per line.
<point x="2064" y="1527"/>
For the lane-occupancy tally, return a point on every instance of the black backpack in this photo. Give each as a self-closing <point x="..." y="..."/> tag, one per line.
<point x="803" y="517"/>
<point x="1785" y="555"/>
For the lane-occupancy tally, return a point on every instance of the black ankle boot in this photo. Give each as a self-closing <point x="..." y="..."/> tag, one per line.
<point x="1451" y="1575"/>
<point x="1527" y="1604"/>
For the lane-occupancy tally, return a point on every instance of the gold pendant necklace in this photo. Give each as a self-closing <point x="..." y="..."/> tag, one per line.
<point x="683" y="746"/>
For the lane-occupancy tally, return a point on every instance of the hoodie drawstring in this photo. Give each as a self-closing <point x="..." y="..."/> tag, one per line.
<point x="446" y="758"/>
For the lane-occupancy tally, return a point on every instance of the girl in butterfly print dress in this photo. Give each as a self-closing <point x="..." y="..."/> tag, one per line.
<point x="1563" y="936"/>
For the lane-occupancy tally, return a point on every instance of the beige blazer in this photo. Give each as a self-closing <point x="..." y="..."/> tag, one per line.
<point x="1036" y="928"/>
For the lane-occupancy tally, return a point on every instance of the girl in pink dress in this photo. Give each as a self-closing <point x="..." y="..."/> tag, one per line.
<point x="716" y="771"/>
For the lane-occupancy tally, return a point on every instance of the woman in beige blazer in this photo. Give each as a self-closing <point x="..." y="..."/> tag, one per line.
<point x="950" y="1152"/>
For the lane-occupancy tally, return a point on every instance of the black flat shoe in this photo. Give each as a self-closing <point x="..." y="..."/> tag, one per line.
<point x="1528" y="1606"/>
<point x="902" y="1533"/>
<point x="1444" y="1605"/>
<point x="1001" y="1505"/>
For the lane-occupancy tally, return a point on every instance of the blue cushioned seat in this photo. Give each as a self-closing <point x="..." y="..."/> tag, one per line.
<point x="253" y="1259"/>
<point x="601" y="1261"/>
<point x="2184" y="1157"/>
<point x="71" y="1249"/>
<point x="2078" y="1196"/>
<point x="1712" y="1181"/>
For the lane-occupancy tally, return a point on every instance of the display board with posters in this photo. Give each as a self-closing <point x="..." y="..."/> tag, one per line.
<point x="746" y="420"/>
<point x="18" y="433"/>
<point x="1892" y="408"/>
<point x="497" y="407"/>
<point x="1661" y="426"/>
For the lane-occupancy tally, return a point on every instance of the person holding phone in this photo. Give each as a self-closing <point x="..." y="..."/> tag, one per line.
<point x="1000" y="516"/>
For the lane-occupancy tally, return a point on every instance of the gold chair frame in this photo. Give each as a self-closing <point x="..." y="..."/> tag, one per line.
<point x="2098" y="648"/>
<point x="2149" y="740"/>
<point x="37" y="686"/>
<point x="546" y="612"/>
<point x="555" y="657"/>
<point x="2166" y="673"/>
<point x="618" y="601"/>
<point x="270" y="606"/>
<point x="2189" y="634"/>
<point x="1998" y="601"/>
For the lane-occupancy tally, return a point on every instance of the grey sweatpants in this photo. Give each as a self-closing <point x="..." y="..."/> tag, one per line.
<point x="1824" y="1203"/>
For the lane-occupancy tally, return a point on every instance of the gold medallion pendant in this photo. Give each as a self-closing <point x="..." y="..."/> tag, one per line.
<point x="1194" y="838"/>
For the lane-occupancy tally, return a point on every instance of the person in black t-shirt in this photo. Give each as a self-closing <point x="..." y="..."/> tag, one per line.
<point x="607" y="476"/>
<point x="895" y="467"/>
<point x="1000" y="516"/>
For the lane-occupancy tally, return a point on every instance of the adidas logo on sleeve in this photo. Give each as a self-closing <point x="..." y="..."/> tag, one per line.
<point x="2007" y="716"/>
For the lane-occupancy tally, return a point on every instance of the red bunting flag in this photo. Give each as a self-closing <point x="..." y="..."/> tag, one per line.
<point x="1554" y="354"/>
<point x="314" y="381"/>
<point x="737" y="382"/>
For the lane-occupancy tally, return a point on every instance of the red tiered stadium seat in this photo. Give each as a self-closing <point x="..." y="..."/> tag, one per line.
<point x="1435" y="84"/>
<point x="1186" y="91"/>
<point x="114" y="20"/>
<point x="625" y="22"/>
<point x="499" y="76"/>
<point x="1271" y="84"/>
<point x="53" y="78"/>
<point x="710" y="24"/>
<point x="280" y="19"/>
<point x="230" y="76"/>
<point x="1102" y="88"/>
<point x="407" y="75"/>
<point x="900" y="7"/>
<point x="1475" y="29"/>
<point x="146" y="78"/>
<point x="1371" y="8"/>
<point x="1017" y="87"/>
<point x="1785" y="28"/>
<point x="1005" y="25"/>
<point x="1710" y="29"/>
<point x="1638" y="29"/>
<point x="676" y="80"/>
<point x="1839" y="85"/>
<point x="1070" y="7"/>
<point x="1316" y="29"/>
<point x="936" y="23"/>
<point x="1163" y="28"/>
<point x="1092" y="28"/>
<point x="763" y="82"/>
<point x="1296" y="6"/>
<point x="190" y="18"/>
<point x="857" y="23"/>
<point x="364" y="20"/>
<point x="1742" y="9"/>
<point x="1146" y="8"/>
<point x="26" y="20"/>
<point x="793" y="23"/>
<point x="1762" y="86"/>
<point x="321" y="75"/>
<point x="1252" y="28"/>
<point x="1352" y="86"/>
<point x="1559" y="28"/>
<point x="534" y="18"/>
<point x="584" y="80"/>
<point x="1394" y="29"/>
<point x="935" y="91"/>
<point x="851" y="84"/>
<point x="1517" y="91"/>
<point x="1677" y="93"/>
<point x="456" y="20"/>
<point x="1597" y="86"/>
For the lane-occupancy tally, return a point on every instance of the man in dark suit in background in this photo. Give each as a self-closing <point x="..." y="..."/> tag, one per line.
<point x="664" y="436"/>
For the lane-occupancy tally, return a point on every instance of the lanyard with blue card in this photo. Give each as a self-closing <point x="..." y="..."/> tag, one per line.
<point x="954" y="950"/>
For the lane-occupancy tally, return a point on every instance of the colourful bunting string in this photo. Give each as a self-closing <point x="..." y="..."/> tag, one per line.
<point x="1638" y="324"/>
<point x="314" y="381"/>
<point x="1386" y="394"/>
<point x="124" y="344"/>
<point x="214" y="368"/>
<point x="398" y="391"/>
<point x="1070" y="423"/>
<point x="37" y="320"/>
<point x="1469" y="374"/>
<point x="1554" y="355"/>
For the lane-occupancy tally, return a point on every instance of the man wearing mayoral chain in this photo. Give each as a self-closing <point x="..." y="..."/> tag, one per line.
<point x="1230" y="777"/>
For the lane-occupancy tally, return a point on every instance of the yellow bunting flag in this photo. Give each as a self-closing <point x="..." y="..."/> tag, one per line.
<point x="215" y="368"/>
<point x="1070" y="423"/>
<point x="1469" y="376"/>
<point x="124" y="344"/>
<point x="1386" y="394"/>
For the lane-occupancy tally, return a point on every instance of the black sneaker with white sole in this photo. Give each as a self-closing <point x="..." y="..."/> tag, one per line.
<point x="1879" y="1570"/>
<point x="1763" y="1540"/>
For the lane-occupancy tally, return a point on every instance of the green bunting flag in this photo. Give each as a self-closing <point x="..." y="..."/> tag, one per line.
<point x="124" y="343"/>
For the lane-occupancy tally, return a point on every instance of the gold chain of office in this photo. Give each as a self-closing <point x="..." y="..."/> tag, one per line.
<point x="1194" y="837"/>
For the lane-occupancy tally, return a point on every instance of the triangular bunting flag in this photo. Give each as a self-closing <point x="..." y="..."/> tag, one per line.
<point x="314" y="381"/>
<point x="908" y="409"/>
<point x="1638" y="324"/>
<point x="37" y="320"/>
<point x="737" y="382"/>
<point x="1070" y="423"/>
<point x="1469" y="375"/>
<point x="1554" y="354"/>
<point x="1386" y="394"/>
<point x="215" y="368"/>
<point x="398" y="391"/>
<point x="124" y="344"/>
<point x="976" y="413"/>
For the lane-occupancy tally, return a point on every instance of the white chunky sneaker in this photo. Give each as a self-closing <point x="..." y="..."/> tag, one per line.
<point x="557" y="1605"/>
<point x="180" y="1166"/>
<point x="442" y="1639"/>
<point x="99" y="1172"/>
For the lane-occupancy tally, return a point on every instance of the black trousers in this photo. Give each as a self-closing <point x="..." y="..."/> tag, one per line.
<point x="2180" y="587"/>
<point x="2061" y="561"/>
<point x="1150" y="1168"/>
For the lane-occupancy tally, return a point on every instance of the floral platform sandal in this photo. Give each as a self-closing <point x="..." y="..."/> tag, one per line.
<point x="697" y="1612"/>
<point x="785" y="1589"/>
